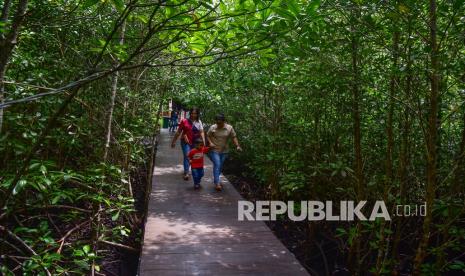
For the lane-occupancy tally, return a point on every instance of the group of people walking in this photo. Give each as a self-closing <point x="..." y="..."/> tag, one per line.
<point x="195" y="144"/>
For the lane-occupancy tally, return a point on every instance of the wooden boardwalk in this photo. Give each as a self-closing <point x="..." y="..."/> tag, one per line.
<point x="191" y="232"/>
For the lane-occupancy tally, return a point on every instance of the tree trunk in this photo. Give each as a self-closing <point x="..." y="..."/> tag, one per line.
<point x="114" y="89"/>
<point x="389" y="128"/>
<point x="432" y="139"/>
<point x="460" y="164"/>
<point x="354" y="250"/>
<point x="8" y="43"/>
<point x="390" y="143"/>
<point x="357" y="122"/>
<point x="404" y="155"/>
<point x="275" y="132"/>
<point x="2" y="92"/>
<point x="460" y="171"/>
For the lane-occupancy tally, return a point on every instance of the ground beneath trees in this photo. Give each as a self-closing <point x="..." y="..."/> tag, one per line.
<point x="124" y="262"/>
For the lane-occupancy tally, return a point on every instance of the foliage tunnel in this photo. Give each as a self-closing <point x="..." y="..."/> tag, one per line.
<point x="332" y="100"/>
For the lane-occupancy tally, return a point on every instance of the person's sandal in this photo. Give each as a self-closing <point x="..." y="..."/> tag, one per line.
<point x="185" y="177"/>
<point x="218" y="187"/>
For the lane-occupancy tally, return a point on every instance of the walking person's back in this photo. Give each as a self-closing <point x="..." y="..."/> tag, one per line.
<point x="173" y="121"/>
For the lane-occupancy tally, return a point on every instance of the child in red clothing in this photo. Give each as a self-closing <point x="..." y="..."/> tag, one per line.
<point x="196" y="160"/>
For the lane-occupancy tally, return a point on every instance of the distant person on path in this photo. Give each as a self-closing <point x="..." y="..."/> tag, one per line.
<point x="196" y="161"/>
<point x="218" y="136"/>
<point x="189" y="129"/>
<point x="173" y="121"/>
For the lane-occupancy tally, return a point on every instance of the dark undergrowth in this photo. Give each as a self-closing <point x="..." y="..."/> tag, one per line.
<point x="127" y="262"/>
<point x="71" y="220"/>
<point x="316" y="251"/>
<point x="318" y="246"/>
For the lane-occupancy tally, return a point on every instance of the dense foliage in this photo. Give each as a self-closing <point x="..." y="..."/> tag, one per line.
<point x="333" y="100"/>
<point x="357" y="100"/>
<point x="82" y="84"/>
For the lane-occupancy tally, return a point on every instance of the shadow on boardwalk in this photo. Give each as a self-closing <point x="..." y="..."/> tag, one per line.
<point x="191" y="232"/>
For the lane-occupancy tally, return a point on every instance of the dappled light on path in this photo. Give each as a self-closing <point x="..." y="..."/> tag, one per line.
<point x="175" y="169"/>
<point x="190" y="232"/>
<point x="178" y="230"/>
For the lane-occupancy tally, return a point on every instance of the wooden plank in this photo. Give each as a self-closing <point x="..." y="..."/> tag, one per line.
<point x="190" y="232"/>
<point x="183" y="248"/>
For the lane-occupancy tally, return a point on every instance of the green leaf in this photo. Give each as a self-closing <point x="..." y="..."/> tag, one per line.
<point x="56" y="199"/>
<point x="340" y="232"/>
<point x="6" y="183"/>
<point x="142" y="18"/>
<point x="19" y="186"/>
<point x="458" y="4"/>
<point x="197" y="47"/>
<point x="115" y="216"/>
<point x="86" y="248"/>
<point x="89" y="3"/>
<point x="311" y="9"/>
<point x="170" y="11"/>
<point x="457" y="265"/>
<point x="119" y="4"/>
<point x="34" y="165"/>
<point x="208" y="6"/>
<point x="43" y="169"/>
<point x="25" y="230"/>
<point x="293" y="7"/>
<point x="78" y="253"/>
<point x="285" y="13"/>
